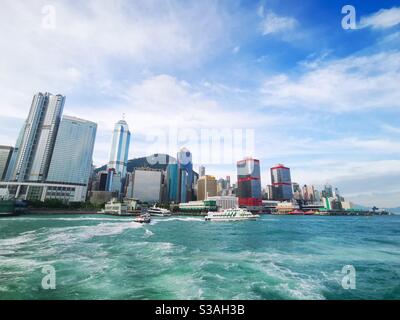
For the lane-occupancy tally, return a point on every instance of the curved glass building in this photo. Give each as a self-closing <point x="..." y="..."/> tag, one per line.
<point x="120" y="148"/>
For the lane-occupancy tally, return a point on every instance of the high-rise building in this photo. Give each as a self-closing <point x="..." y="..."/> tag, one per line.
<point x="14" y="156"/>
<point x="120" y="148"/>
<point x="172" y="182"/>
<point x="36" y="145"/>
<point x="249" y="183"/>
<point x="5" y="157"/>
<point x="202" y="171"/>
<point x="281" y="183"/>
<point x="228" y="182"/>
<point x="297" y="194"/>
<point x="328" y="191"/>
<point x="73" y="151"/>
<point x="206" y="187"/>
<point x="309" y="193"/>
<point x="52" y="158"/>
<point x="185" y="174"/>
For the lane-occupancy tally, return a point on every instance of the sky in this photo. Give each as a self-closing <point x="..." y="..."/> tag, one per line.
<point x="281" y="82"/>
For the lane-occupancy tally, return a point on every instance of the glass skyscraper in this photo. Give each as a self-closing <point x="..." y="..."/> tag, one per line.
<point x="185" y="174"/>
<point x="249" y="182"/>
<point x="73" y="151"/>
<point x="120" y="148"/>
<point x="172" y="182"/>
<point x="281" y="183"/>
<point x="36" y="142"/>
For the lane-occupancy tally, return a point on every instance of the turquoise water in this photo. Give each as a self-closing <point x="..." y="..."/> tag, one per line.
<point x="276" y="257"/>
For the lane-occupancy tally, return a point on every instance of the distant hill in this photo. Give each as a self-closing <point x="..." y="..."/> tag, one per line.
<point x="144" y="163"/>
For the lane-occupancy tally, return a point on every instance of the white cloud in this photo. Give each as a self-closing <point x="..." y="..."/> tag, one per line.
<point x="97" y="43"/>
<point x="383" y="19"/>
<point x="273" y="23"/>
<point x="342" y="85"/>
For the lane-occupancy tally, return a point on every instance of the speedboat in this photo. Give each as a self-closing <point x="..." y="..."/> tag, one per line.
<point x="236" y="214"/>
<point x="159" y="212"/>
<point x="143" y="218"/>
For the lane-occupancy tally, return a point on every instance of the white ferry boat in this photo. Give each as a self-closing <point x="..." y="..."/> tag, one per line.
<point x="236" y="214"/>
<point x="159" y="212"/>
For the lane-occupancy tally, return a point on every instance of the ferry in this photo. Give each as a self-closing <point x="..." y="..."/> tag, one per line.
<point x="159" y="212"/>
<point x="143" y="218"/>
<point x="236" y="214"/>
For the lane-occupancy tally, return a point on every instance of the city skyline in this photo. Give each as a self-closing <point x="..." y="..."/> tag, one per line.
<point x="324" y="133"/>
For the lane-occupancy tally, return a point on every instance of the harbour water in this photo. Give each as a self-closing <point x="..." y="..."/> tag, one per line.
<point x="276" y="257"/>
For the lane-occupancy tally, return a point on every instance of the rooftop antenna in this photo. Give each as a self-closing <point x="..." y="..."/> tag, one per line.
<point x="123" y="116"/>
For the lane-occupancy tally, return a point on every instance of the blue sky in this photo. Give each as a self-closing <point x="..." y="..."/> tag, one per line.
<point x="323" y="100"/>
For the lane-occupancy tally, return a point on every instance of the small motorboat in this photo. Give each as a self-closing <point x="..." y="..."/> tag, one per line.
<point x="143" y="218"/>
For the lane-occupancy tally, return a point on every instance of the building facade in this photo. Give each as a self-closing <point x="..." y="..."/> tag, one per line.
<point x="73" y="152"/>
<point x="5" y="157"/>
<point x="185" y="174"/>
<point x="206" y="187"/>
<point x="225" y="202"/>
<point x="281" y="183"/>
<point x="172" y="182"/>
<point x="147" y="185"/>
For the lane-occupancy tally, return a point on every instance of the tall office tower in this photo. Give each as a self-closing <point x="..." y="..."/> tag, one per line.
<point x="206" y="187"/>
<point x="228" y="182"/>
<point x="102" y="180"/>
<point x="185" y="174"/>
<point x="202" y="171"/>
<point x="281" y="183"/>
<point x="36" y="145"/>
<point x="120" y="148"/>
<point x="73" y="152"/>
<point x="172" y="182"/>
<point x="328" y="191"/>
<point x="308" y="193"/>
<point x="5" y="157"/>
<point x="297" y="194"/>
<point x="269" y="192"/>
<point x="249" y="183"/>
<point x="317" y="195"/>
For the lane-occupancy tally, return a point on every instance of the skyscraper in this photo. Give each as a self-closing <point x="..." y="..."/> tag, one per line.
<point x="36" y="145"/>
<point x="206" y="187"/>
<point x="73" y="151"/>
<point x="249" y="183"/>
<point x="120" y="148"/>
<point x="5" y="156"/>
<point x="172" y="182"/>
<point x="281" y="183"/>
<point x="185" y="174"/>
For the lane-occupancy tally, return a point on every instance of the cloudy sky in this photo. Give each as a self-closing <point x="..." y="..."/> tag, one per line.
<point x="300" y="88"/>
